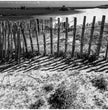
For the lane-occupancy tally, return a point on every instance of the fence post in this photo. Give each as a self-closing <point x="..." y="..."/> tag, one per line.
<point x="58" y="36"/>
<point x="42" y="25"/>
<point x="2" y="48"/>
<point x="38" y="25"/>
<point x="91" y="34"/>
<point x="18" y="45"/>
<point x="11" y="42"/>
<point x="8" y="40"/>
<point x="66" y="34"/>
<point x="100" y="37"/>
<point x="0" y="42"/>
<point x="82" y="36"/>
<point x="31" y="42"/>
<point x="15" y="38"/>
<point x="24" y="38"/>
<point x="74" y="35"/>
<point x="51" y="35"/>
<point x="36" y="32"/>
<point x="5" y="30"/>
<point x="44" y="40"/>
<point x="106" y="53"/>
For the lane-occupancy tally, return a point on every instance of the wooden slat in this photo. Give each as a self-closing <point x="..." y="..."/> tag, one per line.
<point x="106" y="53"/>
<point x="58" y="36"/>
<point x="66" y="34"/>
<point x="51" y="35"/>
<point x="38" y="26"/>
<point x="36" y="33"/>
<point x="18" y="46"/>
<point x="11" y="41"/>
<point x="82" y="36"/>
<point x="100" y="37"/>
<point x="42" y="26"/>
<point x="15" y="38"/>
<point x="8" y="53"/>
<point x="0" y="41"/>
<point x="24" y="38"/>
<point x="91" y="35"/>
<point x="5" y="30"/>
<point x="74" y="35"/>
<point x="31" y="42"/>
<point x="44" y="40"/>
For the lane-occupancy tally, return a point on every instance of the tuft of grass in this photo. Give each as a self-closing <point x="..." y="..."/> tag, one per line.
<point x="92" y="58"/>
<point x="61" y="99"/>
<point x="37" y="104"/>
<point x="99" y="83"/>
<point x="85" y="56"/>
<point x="48" y="88"/>
<point x="98" y="102"/>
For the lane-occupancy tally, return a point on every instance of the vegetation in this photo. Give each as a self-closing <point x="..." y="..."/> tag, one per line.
<point x="48" y="88"/>
<point x="37" y="104"/>
<point x="100" y="83"/>
<point x="61" y="99"/>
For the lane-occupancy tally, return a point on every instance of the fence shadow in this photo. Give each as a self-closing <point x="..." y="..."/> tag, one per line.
<point x="52" y="63"/>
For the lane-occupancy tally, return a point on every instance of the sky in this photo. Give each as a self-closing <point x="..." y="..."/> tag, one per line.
<point x="51" y="3"/>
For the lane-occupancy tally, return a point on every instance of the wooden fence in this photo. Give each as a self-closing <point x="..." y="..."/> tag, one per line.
<point x="14" y="38"/>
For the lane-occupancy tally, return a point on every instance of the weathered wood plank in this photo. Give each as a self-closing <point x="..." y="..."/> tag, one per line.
<point x="82" y="36"/>
<point x="74" y="35"/>
<point x="91" y="34"/>
<point x="66" y="34"/>
<point x="51" y="35"/>
<point x="58" y="36"/>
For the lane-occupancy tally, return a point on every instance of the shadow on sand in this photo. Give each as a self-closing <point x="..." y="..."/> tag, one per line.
<point x="52" y="63"/>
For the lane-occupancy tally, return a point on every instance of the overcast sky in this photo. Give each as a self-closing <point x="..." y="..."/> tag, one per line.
<point x="51" y="3"/>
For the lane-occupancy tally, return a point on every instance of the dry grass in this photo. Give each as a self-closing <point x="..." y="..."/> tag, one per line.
<point x="66" y="89"/>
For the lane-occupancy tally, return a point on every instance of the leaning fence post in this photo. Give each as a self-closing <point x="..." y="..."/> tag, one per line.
<point x="82" y="36"/>
<point x="51" y="35"/>
<point x="23" y="34"/>
<point x="91" y="34"/>
<point x="100" y="37"/>
<point x="66" y="34"/>
<point x="74" y="35"/>
<point x="58" y="36"/>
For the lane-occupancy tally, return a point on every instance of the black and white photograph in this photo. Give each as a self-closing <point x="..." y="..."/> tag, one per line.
<point x="54" y="54"/>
